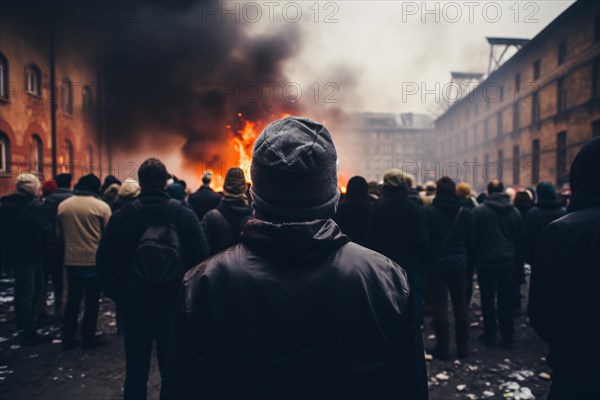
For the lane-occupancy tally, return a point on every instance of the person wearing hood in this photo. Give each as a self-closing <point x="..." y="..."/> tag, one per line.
<point x="204" y="199"/>
<point x="564" y="298"/>
<point x="450" y="229"/>
<point x="352" y="215"/>
<point x="397" y="230"/>
<point x="498" y="235"/>
<point x="80" y="223"/>
<point x="128" y="192"/>
<point x="177" y="191"/>
<point x="296" y="310"/>
<point x="23" y="231"/>
<point x="223" y="225"/>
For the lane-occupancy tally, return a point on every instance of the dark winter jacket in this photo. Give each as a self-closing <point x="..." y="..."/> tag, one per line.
<point x="536" y="220"/>
<point x="23" y="229"/>
<point x="296" y="311"/>
<point x="564" y="298"/>
<point x="54" y="247"/>
<point x="450" y="234"/>
<point x="222" y="226"/>
<point x="352" y="215"/>
<point x="397" y="229"/>
<point x="469" y="203"/>
<point x="118" y="244"/>
<point x="499" y="231"/>
<point x="120" y="202"/>
<point x="203" y="200"/>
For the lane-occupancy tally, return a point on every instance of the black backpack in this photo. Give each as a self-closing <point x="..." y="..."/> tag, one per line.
<point x="158" y="258"/>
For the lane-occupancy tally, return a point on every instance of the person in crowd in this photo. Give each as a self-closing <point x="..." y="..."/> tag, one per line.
<point x="111" y="192"/>
<point x="177" y="191"/>
<point x="128" y="192"/>
<point x="465" y="194"/>
<point x="81" y="219"/>
<point x="48" y="188"/>
<point x="204" y="199"/>
<point x="23" y="231"/>
<point x="109" y="180"/>
<point x="450" y="229"/>
<point x="428" y="193"/>
<point x="565" y="195"/>
<point x="352" y="215"/>
<point x="481" y="197"/>
<point x="54" y="250"/>
<point x="413" y="194"/>
<point x="147" y="247"/>
<point x="374" y="192"/>
<point x="498" y="234"/>
<point x="397" y="230"/>
<point x="312" y="314"/>
<point x="523" y="202"/>
<point x="532" y="194"/>
<point x="223" y="225"/>
<point x="564" y="298"/>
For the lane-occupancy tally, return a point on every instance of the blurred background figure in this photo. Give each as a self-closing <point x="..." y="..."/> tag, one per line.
<point x="464" y="192"/>
<point x="352" y="215"/>
<point x="128" y="192"/>
<point x="110" y="189"/>
<point x="374" y="192"/>
<point x="428" y="193"/>
<point x="204" y="199"/>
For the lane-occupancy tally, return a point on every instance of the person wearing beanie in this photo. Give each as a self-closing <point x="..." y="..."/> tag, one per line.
<point x="177" y="191"/>
<point x="312" y="314"/>
<point x="49" y="187"/>
<point x="450" y="229"/>
<point x="81" y="220"/>
<point x="23" y="231"/>
<point x="128" y="192"/>
<point x="564" y="297"/>
<point x="352" y="215"/>
<point x="397" y="230"/>
<point x="204" y="199"/>
<point x="146" y="248"/>
<point x="223" y="225"/>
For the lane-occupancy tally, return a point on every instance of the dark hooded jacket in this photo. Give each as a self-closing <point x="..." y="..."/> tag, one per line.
<point x="23" y="229"/>
<point x="352" y="215"/>
<point x="222" y="226"/>
<point x="564" y="298"/>
<point x="547" y="209"/>
<point x="397" y="229"/>
<point x="203" y="200"/>
<point x="54" y="247"/>
<point x="450" y="234"/>
<point x="499" y="230"/>
<point x="296" y="311"/>
<point x="118" y="244"/>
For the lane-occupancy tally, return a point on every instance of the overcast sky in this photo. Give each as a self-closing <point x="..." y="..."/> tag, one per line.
<point x="376" y="46"/>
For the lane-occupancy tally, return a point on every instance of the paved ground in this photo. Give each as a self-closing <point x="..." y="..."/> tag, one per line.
<point x="46" y="372"/>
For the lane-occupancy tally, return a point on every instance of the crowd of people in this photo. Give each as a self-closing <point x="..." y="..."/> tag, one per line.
<point x="291" y="289"/>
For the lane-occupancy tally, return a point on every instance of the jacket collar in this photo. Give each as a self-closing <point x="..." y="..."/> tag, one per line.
<point x="298" y="241"/>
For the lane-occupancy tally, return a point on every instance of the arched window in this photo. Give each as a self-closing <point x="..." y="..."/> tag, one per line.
<point x="3" y="77"/>
<point x="66" y="158"/>
<point x="33" y="80"/>
<point x="66" y="96"/>
<point x="36" y="154"/>
<point x="4" y="153"/>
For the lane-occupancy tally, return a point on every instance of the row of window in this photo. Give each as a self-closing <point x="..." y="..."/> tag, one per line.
<point x="36" y="154"/>
<point x="33" y="87"/>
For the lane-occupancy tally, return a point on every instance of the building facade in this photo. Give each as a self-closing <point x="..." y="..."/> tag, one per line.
<point x="371" y="143"/>
<point x="528" y="119"/>
<point x="39" y="63"/>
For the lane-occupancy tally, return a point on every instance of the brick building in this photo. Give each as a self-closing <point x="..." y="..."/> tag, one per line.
<point x="34" y="59"/>
<point x="528" y="119"/>
<point x="371" y="143"/>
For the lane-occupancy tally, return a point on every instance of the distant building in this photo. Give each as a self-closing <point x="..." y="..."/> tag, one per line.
<point x="371" y="143"/>
<point x="29" y="141"/>
<point x="528" y="119"/>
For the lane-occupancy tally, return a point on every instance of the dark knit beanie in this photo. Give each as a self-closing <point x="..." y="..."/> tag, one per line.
<point x="294" y="171"/>
<point x="88" y="183"/>
<point x="235" y="184"/>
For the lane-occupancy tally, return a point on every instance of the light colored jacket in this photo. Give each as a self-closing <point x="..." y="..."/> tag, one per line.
<point x="80" y="222"/>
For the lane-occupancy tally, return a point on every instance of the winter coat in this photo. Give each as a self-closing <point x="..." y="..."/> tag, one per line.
<point x="499" y="231"/>
<point x="54" y="251"/>
<point x="352" y="215"/>
<point x="450" y="234"/>
<point x="120" y="202"/>
<point x="222" y="226"/>
<point x="119" y="242"/>
<point x="397" y="229"/>
<point x="23" y="229"/>
<point x="469" y="203"/>
<point x="296" y="311"/>
<point x="536" y="220"/>
<point x="203" y="200"/>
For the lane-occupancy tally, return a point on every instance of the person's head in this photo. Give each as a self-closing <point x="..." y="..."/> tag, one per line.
<point x="64" y="180"/>
<point x="495" y="186"/>
<point x="109" y="180"/>
<point x="463" y="190"/>
<point x="130" y="188"/>
<point x="29" y="184"/>
<point x="234" y="186"/>
<point x="357" y="187"/>
<point x="523" y="200"/>
<point x="374" y="188"/>
<point x="153" y="174"/>
<point x="445" y="186"/>
<point x="294" y="172"/>
<point x="511" y="193"/>
<point x="49" y="187"/>
<point x="176" y="191"/>
<point x="111" y="192"/>
<point x="430" y="187"/>
<point x="546" y="192"/>
<point x="207" y="177"/>
<point x="394" y="178"/>
<point x="585" y="170"/>
<point x="88" y="183"/>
